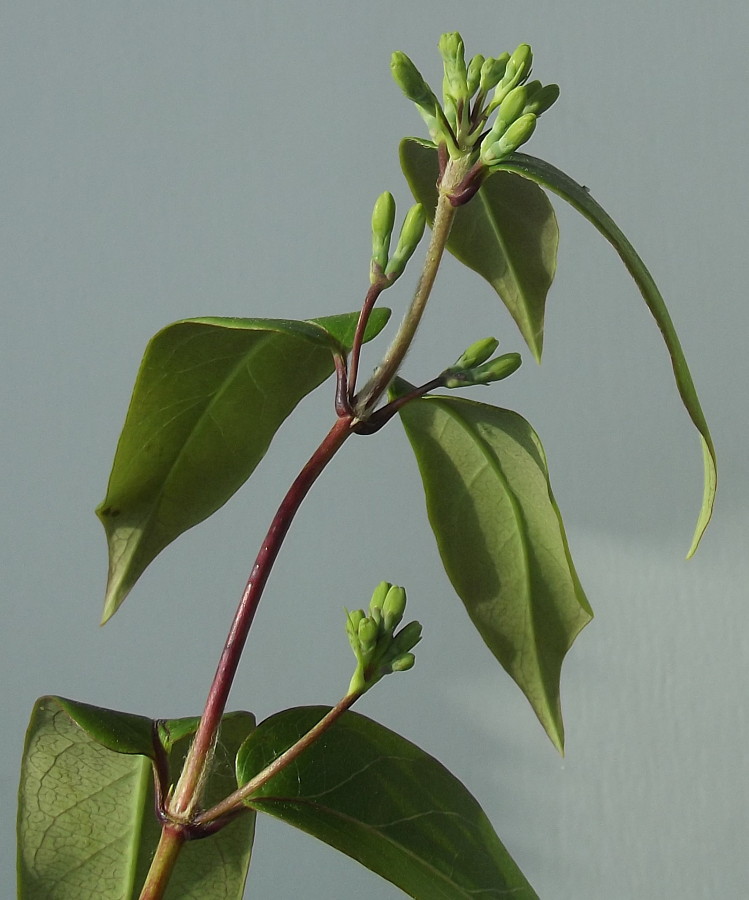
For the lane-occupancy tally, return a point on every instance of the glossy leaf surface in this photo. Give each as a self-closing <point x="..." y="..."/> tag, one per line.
<point x="381" y="800"/>
<point x="209" y="397"/>
<point x="86" y="823"/>
<point x="501" y="539"/>
<point x="579" y="197"/>
<point x="507" y="233"/>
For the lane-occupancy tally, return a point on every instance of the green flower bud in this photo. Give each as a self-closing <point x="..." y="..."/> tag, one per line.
<point x="517" y="71"/>
<point x="492" y="72"/>
<point x="494" y="370"/>
<point x="497" y="369"/>
<point x="394" y="607"/>
<point x="519" y="65"/>
<point x="477" y="353"/>
<point x="516" y="135"/>
<point x="453" y="55"/>
<point x="407" y="638"/>
<point x="408" y="240"/>
<point x="542" y="99"/>
<point x="403" y="663"/>
<point x="378" y="596"/>
<point x="383" y="218"/>
<point x="367" y="633"/>
<point x="512" y="108"/>
<point x="473" y="75"/>
<point x="410" y="81"/>
<point x="352" y="628"/>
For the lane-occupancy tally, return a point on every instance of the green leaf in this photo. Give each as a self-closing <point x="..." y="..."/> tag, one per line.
<point x="501" y="539"/>
<point x="375" y="796"/>
<point x="209" y="397"/>
<point x="86" y="825"/>
<point x="507" y="233"/>
<point x="579" y="197"/>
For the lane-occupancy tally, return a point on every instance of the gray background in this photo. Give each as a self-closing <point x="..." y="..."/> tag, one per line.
<point x="163" y="160"/>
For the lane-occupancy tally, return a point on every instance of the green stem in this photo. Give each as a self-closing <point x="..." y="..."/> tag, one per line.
<point x="164" y="860"/>
<point x="229" y="804"/>
<point x="443" y="220"/>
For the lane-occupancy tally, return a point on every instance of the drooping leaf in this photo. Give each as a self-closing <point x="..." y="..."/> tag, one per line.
<point x="540" y="172"/>
<point x="209" y="397"/>
<point x="118" y="731"/>
<point x="375" y="796"/>
<point x="86" y="823"/>
<point x="501" y="539"/>
<point x="507" y="233"/>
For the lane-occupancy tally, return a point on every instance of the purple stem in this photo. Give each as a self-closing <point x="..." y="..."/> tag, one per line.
<point x="186" y="796"/>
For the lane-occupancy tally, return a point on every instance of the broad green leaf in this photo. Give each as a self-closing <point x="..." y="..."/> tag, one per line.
<point x="375" y="796"/>
<point x="507" y="233"/>
<point x="86" y="825"/>
<point x="501" y="539"/>
<point x="579" y="197"/>
<point x="209" y="397"/>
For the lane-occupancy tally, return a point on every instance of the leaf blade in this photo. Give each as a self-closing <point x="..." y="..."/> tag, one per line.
<point x="209" y="397"/>
<point x="501" y="540"/>
<point x="507" y="234"/>
<point x="86" y="827"/>
<point x="579" y="197"/>
<point x="380" y="799"/>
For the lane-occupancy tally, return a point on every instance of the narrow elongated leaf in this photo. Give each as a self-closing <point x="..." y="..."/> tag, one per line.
<point x="86" y="823"/>
<point x="380" y="799"/>
<point x="209" y="397"/>
<point x="579" y="197"/>
<point x="507" y="233"/>
<point x="501" y="539"/>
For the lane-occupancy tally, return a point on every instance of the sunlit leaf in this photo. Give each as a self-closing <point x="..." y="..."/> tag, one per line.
<point x="579" y="197"/>
<point x="507" y="233"/>
<point x="501" y="539"/>
<point x="86" y="823"/>
<point x="209" y="397"/>
<point x="375" y="796"/>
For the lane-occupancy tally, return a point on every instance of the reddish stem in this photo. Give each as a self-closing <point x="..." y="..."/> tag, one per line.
<point x="186" y="795"/>
<point x="361" y="326"/>
<point x="162" y="866"/>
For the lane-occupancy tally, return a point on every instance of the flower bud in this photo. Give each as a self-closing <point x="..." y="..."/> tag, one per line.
<point x="353" y="618"/>
<point x="477" y="353"/>
<point x="378" y="595"/>
<point x="403" y="663"/>
<point x="539" y="101"/>
<point x="407" y="638"/>
<point x="512" y="108"/>
<point x="367" y="633"/>
<point x="488" y="372"/>
<point x="518" y="66"/>
<point x="408" y="240"/>
<point x="394" y="607"/>
<point x="492" y="72"/>
<point x="410" y="81"/>
<point x="383" y="218"/>
<point x="453" y="55"/>
<point x="516" y="135"/>
<point x="517" y="71"/>
<point x="497" y="369"/>
<point x="473" y="75"/>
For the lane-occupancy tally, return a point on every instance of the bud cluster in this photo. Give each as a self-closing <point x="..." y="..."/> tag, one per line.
<point x="385" y="268"/>
<point x="378" y="649"/>
<point x="475" y="367"/>
<point x="460" y="122"/>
